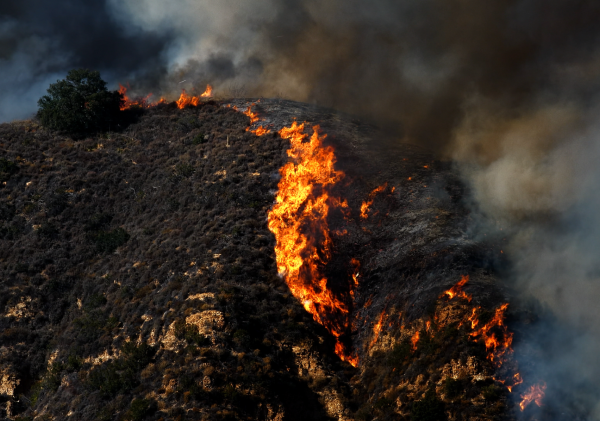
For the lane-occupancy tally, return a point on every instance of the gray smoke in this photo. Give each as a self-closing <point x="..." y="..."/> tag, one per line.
<point x="509" y="89"/>
<point x="41" y="41"/>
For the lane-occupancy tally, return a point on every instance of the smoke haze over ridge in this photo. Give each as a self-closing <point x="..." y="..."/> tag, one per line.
<point x="509" y="89"/>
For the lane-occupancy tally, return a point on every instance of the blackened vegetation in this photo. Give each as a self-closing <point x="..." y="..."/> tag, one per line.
<point x="104" y="238"/>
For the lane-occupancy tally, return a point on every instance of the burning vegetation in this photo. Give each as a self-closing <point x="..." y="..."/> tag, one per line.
<point x="303" y="239"/>
<point x="320" y="237"/>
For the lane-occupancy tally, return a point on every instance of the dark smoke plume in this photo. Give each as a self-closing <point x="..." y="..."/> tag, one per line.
<point x="509" y="89"/>
<point x="41" y="41"/>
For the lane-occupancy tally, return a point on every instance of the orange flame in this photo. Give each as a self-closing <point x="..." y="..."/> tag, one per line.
<point x="456" y="290"/>
<point x="498" y="346"/>
<point x="253" y="116"/>
<point x="208" y="92"/>
<point x="517" y="381"/>
<point x="185" y="100"/>
<point x="415" y="340"/>
<point x="377" y="329"/>
<point x="140" y="102"/>
<point x="260" y="131"/>
<point x="299" y="222"/>
<point x="364" y="208"/>
<point x="535" y="394"/>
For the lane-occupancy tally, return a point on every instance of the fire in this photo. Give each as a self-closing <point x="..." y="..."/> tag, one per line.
<point x="140" y="102"/>
<point x="208" y="92"/>
<point x="355" y="274"/>
<point x="535" y="394"/>
<point x="253" y="116"/>
<point x="498" y="346"/>
<point x="377" y="329"/>
<point x="260" y="131"/>
<point x="517" y="381"/>
<point x="185" y="100"/>
<point x="303" y="240"/>
<point x="498" y="341"/>
<point x="456" y="290"/>
<point x="415" y="340"/>
<point x="364" y="208"/>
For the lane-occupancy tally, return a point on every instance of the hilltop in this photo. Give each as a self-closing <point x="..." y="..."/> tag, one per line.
<point x="138" y="277"/>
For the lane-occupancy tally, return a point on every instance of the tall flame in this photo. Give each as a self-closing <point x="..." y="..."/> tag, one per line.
<point x="208" y="92"/>
<point x="299" y="221"/>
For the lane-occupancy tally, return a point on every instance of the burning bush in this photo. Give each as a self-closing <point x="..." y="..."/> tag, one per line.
<point x="80" y="103"/>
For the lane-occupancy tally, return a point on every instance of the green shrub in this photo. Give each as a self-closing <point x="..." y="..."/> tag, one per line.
<point x="121" y="375"/>
<point x="492" y="392"/>
<point x="47" y="230"/>
<point x="184" y="170"/>
<point x="7" y="211"/>
<point x="98" y="221"/>
<point x="190" y="333"/>
<point x="7" y="168"/>
<point x="109" y="241"/>
<point x="199" y="139"/>
<point x="453" y="387"/>
<point x="95" y="301"/>
<point x="430" y="408"/>
<point x="400" y="353"/>
<point x="241" y="337"/>
<point x="79" y="103"/>
<point x="139" y="408"/>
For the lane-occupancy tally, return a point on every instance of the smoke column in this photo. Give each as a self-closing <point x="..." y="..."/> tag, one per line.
<point x="508" y="89"/>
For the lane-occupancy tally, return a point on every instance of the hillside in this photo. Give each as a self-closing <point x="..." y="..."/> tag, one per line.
<point x="138" y="278"/>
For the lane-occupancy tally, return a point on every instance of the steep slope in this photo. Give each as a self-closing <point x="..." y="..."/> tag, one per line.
<point x="139" y="278"/>
<point x="139" y="265"/>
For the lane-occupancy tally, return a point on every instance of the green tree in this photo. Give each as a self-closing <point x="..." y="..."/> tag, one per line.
<point x="80" y="103"/>
<point x="430" y="408"/>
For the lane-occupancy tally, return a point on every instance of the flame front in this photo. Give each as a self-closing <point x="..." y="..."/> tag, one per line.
<point x="299" y="221"/>
<point x="535" y="394"/>
<point x="140" y="102"/>
<point x="185" y="100"/>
